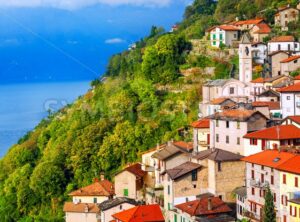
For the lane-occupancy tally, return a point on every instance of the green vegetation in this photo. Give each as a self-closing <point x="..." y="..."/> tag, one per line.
<point x="143" y="101"/>
<point x="269" y="213"/>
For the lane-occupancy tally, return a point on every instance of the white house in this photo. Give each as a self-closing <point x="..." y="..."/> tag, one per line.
<point x="259" y="52"/>
<point x="224" y="34"/>
<point x="283" y="43"/>
<point x="290" y="100"/>
<point x="285" y="15"/>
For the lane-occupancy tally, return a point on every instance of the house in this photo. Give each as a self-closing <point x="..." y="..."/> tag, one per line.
<point x="278" y="82"/>
<point x="268" y="96"/>
<point x="274" y="59"/>
<point x="219" y="104"/>
<point x="271" y="138"/>
<point x="262" y="172"/>
<point x="216" y="172"/>
<point x="241" y="198"/>
<point x="259" y="32"/>
<point x="283" y="43"/>
<point x="290" y="65"/>
<point x="285" y="15"/>
<point x="85" y="201"/>
<point x="292" y="120"/>
<point x="290" y="100"/>
<point x="207" y="209"/>
<point x="246" y="25"/>
<point x="223" y="35"/>
<point x="227" y="128"/>
<point x="113" y="206"/>
<point x="140" y="213"/>
<point x="269" y="109"/>
<point x="257" y="87"/>
<point x="130" y="182"/>
<point x="201" y="134"/>
<point x="183" y="183"/>
<point x="259" y="52"/>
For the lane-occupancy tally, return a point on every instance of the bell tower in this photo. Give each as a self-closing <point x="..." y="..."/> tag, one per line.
<point x="245" y="59"/>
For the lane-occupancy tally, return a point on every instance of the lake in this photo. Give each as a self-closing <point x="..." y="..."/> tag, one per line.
<point x="22" y="106"/>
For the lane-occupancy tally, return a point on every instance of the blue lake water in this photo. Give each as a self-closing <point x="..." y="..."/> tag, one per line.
<point x="22" y="106"/>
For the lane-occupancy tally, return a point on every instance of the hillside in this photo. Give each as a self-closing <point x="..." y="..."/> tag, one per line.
<point x="144" y="100"/>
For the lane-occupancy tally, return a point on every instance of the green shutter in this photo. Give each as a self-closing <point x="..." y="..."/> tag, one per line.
<point x="125" y="192"/>
<point x="175" y="217"/>
<point x="214" y="36"/>
<point x="221" y="36"/>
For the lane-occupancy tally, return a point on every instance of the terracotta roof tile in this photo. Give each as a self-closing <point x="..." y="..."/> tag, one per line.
<point x="284" y="38"/>
<point x="182" y="170"/>
<point x="294" y="118"/>
<point x="258" y="80"/>
<point x="290" y="59"/>
<point x="98" y="188"/>
<point x="184" y="145"/>
<point x="81" y="207"/>
<point x="235" y="115"/>
<point x="292" y="88"/>
<point x="269" y="158"/>
<point x="297" y="77"/>
<point x="201" y="124"/>
<point x="271" y="105"/>
<point x="280" y="132"/>
<point x="248" y="22"/>
<point x="200" y="207"/>
<point x="228" y="27"/>
<point x="144" y="213"/>
<point x="263" y="28"/>
<point x="292" y="165"/>
<point x="135" y="169"/>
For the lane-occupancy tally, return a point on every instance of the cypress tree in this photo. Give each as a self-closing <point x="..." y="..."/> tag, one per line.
<point x="269" y="214"/>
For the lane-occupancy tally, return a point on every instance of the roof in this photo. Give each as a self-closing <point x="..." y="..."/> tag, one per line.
<point x="297" y="77"/>
<point x="263" y="28"/>
<point x="135" y="169"/>
<point x="144" y="213"/>
<point x="200" y="207"/>
<point x="269" y="93"/>
<point x="258" y="80"/>
<point x="241" y="191"/>
<point x="220" y="100"/>
<point x="295" y="119"/>
<point x="182" y="170"/>
<point x="290" y="59"/>
<point x="218" y="155"/>
<point x="284" y="38"/>
<point x="115" y="202"/>
<point x="249" y="22"/>
<point x="292" y="88"/>
<point x="169" y="151"/>
<point x="269" y="158"/>
<point x="201" y="124"/>
<point x="98" y="188"/>
<point x="281" y="9"/>
<point x="292" y="165"/>
<point x="281" y="132"/>
<point x="271" y="105"/>
<point x="81" y="207"/>
<point x="235" y="115"/>
<point x="186" y="146"/>
<point x="216" y="82"/>
<point x="228" y="28"/>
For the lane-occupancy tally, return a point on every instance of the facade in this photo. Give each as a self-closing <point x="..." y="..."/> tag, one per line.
<point x="290" y="65"/>
<point x="245" y="58"/>
<point x="283" y="43"/>
<point x="201" y="135"/>
<point x="79" y="212"/>
<point x="247" y="25"/>
<point x="290" y="100"/>
<point x="286" y="15"/>
<point x="259" y="52"/>
<point x="224" y="35"/>
<point x="274" y="64"/>
<point x="228" y="128"/>
<point x="269" y="109"/>
<point x="291" y="120"/>
<point x="268" y="96"/>
<point x="259" y="32"/>
<point x="241" y="198"/>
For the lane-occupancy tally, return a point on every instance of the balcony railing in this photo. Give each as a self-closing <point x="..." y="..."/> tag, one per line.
<point x="259" y="184"/>
<point x="252" y="216"/>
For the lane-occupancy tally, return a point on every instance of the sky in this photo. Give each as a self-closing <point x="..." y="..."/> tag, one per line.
<point x="64" y="40"/>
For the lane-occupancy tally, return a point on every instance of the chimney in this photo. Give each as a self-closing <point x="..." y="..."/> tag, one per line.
<point x="102" y="176"/>
<point x="209" y="204"/>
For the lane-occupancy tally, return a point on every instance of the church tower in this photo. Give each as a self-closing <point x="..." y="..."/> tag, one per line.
<point x="245" y="59"/>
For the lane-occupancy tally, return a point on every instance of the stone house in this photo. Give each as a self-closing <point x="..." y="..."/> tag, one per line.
<point x="241" y="198"/>
<point x="247" y="25"/>
<point x="113" y="206"/>
<point x="268" y="96"/>
<point x="201" y="134"/>
<point x="290" y="100"/>
<point x="283" y="43"/>
<point x="271" y="138"/>
<point x="285" y="15"/>
<point x="269" y="109"/>
<point x="130" y="182"/>
<point x="227" y="128"/>
<point x="208" y="209"/>
<point x="260" y="31"/>
<point x="290" y="65"/>
<point x="224" y="35"/>
<point x="274" y="59"/>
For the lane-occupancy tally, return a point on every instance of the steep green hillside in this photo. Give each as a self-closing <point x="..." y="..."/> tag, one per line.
<point x="143" y="101"/>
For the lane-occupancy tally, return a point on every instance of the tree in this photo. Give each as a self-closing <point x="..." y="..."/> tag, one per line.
<point x="269" y="214"/>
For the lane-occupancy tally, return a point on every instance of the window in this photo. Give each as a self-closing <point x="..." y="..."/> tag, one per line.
<point x="194" y="175"/>
<point x="284" y="178"/>
<point x="121" y="207"/>
<point x="238" y="141"/>
<point x="253" y="141"/>
<point x="296" y="61"/>
<point x="296" y="181"/>
<point x="217" y="123"/>
<point x="227" y="139"/>
<point x="262" y="167"/>
<point x="169" y="190"/>
<point x="274" y="197"/>
<point x="214" y="36"/>
<point x="262" y="178"/>
<point x="221" y="197"/>
<point x="231" y="90"/>
<point x="219" y="166"/>
<point x="272" y="179"/>
<point x="95" y="199"/>
<point x="288" y="98"/>
<point x="279" y="47"/>
<point x="175" y="218"/>
<point x="252" y="174"/>
<point x="217" y="138"/>
<point x="214" y="43"/>
<point x="227" y="124"/>
<point x="125" y="192"/>
<point x="253" y="191"/>
<point x="234" y="35"/>
<point x="238" y="124"/>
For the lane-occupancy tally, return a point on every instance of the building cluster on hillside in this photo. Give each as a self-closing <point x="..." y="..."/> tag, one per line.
<point x="247" y="140"/>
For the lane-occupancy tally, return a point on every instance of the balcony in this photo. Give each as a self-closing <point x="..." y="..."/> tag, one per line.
<point x="259" y="184"/>
<point x="252" y="216"/>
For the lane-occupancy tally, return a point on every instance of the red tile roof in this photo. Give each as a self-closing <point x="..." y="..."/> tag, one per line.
<point x="294" y="118"/>
<point x="285" y="38"/>
<point x="229" y="28"/>
<point x="263" y="28"/>
<point x="201" y="124"/>
<point x="271" y="105"/>
<point x="81" y="207"/>
<point x="144" y="213"/>
<point x="98" y="188"/>
<point x="297" y="77"/>
<point x="220" y="100"/>
<point x="184" y="145"/>
<point x="269" y="158"/>
<point x="135" y="169"/>
<point x="281" y="132"/>
<point x="248" y="22"/>
<point x="290" y="59"/>
<point x="292" y="88"/>
<point x="258" y="80"/>
<point x="200" y="207"/>
<point x="292" y="165"/>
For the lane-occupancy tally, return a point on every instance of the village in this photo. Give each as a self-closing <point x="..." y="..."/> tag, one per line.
<point x="246" y="141"/>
